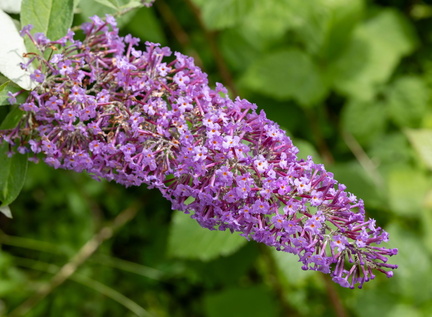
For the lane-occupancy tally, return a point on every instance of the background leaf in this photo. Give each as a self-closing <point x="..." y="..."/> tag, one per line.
<point x="51" y="17"/>
<point x="365" y="120"/>
<point x="12" y="175"/>
<point x="408" y="99"/>
<point x="407" y="191"/>
<point x="287" y="74"/>
<point x="421" y="139"/>
<point x="12" y="169"/>
<point x="188" y="240"/>
<point x="225" y="13"/>
<point x="372" y="55"/>
<point x="10" y="86"/>
<point x="109" y="3"/>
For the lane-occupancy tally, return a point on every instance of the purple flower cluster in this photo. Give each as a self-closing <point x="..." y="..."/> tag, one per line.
<point x="119" y="113"/>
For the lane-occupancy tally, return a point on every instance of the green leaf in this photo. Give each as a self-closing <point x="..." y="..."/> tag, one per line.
<point x="421" y="140"/>
<point x="12" y="87"/>
<point x="133" y="4"/>
<point x="358" y="182"/>
<point x="307" y="149"/>
<point x="365" y="120"/>
<point x="51" y="17"/>
<point x="375" y="50"/>
<point x="270" y="20"/>
<point x="254" y="301"/>
<point x="287" y="74"/>
<point x="413" y="278"/>
<point x="146" y="26"/>
<point x="407" y="189"/>
<point x="190" y="241"/>
<point x="109" y="3"/>
<point x="12" y="175"/>
<point x="12" y="118"/>
<point x="12" y="169"/>
<point x="407" y="101"/>
<point x="3" y="94"/>
<point x="289" y="266"/>
<point x="390" y="151"/>
<point x="426" y="221"/>
<point x="238" y="50"/>
<point x="225" y="13"/>
<point x="324" y="26"/>
<point x="90" y="8"/>
<point x="341" y="19"/>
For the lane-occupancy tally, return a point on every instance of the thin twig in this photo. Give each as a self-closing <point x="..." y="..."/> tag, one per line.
<point x="80" y="257"/>
<point x="177" y="30"/>
<point x="362" y="157"/>
<point x="334" y="297"/>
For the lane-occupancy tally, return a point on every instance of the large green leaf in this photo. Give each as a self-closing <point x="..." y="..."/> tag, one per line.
<point x="270" y="19"/>
<point x="225" y="13"/>
<point x="324" y="26"/>
<point x="188" y="240"/>
<point x="12" y="175"/>
<point x="287" y="74"/>
<point x="289" y="267"/>
<point x="365" y="120"/>
<point x="110" y="3"/>
<point x="359" y="181"/>
<point x="12" y="118"/>
<point x="101" y="8"/>
<point x="376" y="48"/>
<point x="12" y="169"/>
<point x="390" y="151"/>
<point x="341" y="19"/>
<point x="426" y="221"/>
<point x="413" y="278"/>
<point x="51" y="17"/>
<point x="407" y="189"/>
<point x="407" y="101"/>
<point x="421" y="140"/>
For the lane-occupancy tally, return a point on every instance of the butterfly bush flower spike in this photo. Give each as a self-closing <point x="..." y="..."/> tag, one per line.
<point x="149" y="117"/>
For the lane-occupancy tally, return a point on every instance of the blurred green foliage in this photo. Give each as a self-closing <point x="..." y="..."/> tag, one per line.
<point x="350" y="81"/>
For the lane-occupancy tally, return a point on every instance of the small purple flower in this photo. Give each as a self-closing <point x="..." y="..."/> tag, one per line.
<point x="38" y="76"/>
<point x="12" y="97"/>
<point x="25" y="31"/>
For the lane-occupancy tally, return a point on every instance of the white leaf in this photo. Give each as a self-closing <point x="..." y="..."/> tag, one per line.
<point x="5" y="210"/>
<point x="11" y="52"/>
<point x="11" y="6"/>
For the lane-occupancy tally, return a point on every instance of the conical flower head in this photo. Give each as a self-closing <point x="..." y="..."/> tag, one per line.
<point x="119" y="113"/>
